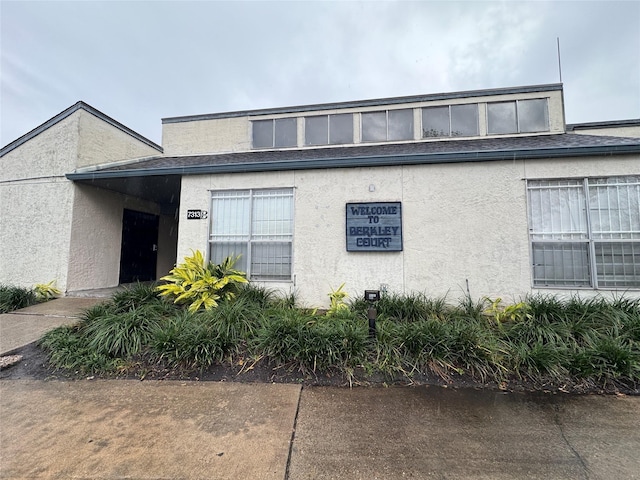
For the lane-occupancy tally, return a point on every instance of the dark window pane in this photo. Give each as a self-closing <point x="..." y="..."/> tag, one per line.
<point x="435" y="122"/>
<point x="271" y="261"/>
<point x="533" y="116"/>
<point x="464" y="120"/>
<point x="618" y="264"/>
<point x="401" y="124"/>
<point x="341" y="128"/>
<point x="316" y="130"/>
<point x="374" y="127"/>
<point x="286" y="132"/>
<point x="501" y="118"/>
<point x="561" y="263"/>
<point x="221" y="250"/>
<point x="262" y="133"/>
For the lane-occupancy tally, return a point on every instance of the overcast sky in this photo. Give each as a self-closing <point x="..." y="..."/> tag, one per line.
<point x="141" y="61"/>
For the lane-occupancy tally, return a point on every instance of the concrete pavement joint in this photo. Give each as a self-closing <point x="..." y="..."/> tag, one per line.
<point x="46" y="315"/>
<point x="293" y="434"/>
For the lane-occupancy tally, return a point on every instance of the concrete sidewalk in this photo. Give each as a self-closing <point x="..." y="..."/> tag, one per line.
<point x="107" y="429"/>
<point x="21" y="327"/>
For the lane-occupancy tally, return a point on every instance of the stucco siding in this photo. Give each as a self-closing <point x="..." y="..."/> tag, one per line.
<point x="50" y="154"/>
<point x="96" y="238"/>
<point x="167" y="244"/>
<point x="465" y="225"/>
<point x="206" y="136"/>
<point x="35" y="227"/>
<point x="100" y="143"/>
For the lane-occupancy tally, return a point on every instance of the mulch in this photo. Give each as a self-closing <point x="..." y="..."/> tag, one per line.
<point x="31" y="362"/>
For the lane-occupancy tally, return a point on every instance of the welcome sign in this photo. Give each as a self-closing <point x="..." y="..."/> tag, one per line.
<point x="374" y="227"/>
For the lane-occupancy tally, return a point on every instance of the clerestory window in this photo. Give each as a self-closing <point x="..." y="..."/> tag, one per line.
<point x="520" y="116"/>
<point x="450" y="121"/>
<point x="387" y="125"/>
<point x="280" y="132"/>
<point x="328" y="129"/>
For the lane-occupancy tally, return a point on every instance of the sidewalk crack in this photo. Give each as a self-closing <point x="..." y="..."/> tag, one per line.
<point x="583" y="463"/>
<point x="293" y="435"/>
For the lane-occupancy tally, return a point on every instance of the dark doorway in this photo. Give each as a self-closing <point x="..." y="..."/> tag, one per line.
<point x="139" y="253"/>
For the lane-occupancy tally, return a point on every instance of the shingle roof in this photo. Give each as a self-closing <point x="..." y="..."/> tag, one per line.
<point x="540" y="146"/>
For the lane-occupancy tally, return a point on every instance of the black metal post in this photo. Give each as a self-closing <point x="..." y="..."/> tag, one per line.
<point x="371" y="314"/>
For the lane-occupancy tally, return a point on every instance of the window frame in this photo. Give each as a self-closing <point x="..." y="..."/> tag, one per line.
<point x="517" y="109"/>
<point x="386" y="117"/>
<point x="252" y="238"/>
<point x="596" y="273"/>
<point x="274" y="137"/>
<point x="330" y="138"/>
<point x="451" y="134"/>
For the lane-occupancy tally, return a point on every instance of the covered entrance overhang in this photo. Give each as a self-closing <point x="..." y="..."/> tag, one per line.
<point x="163" y="190"/>
<point x="125" y="228"/>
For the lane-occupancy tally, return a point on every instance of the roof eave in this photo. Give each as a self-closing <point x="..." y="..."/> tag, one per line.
<point x="369" y="161"/>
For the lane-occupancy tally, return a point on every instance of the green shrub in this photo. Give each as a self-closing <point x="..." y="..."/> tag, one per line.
<point x="121" y="334"/>
<point x="69" y="350"/>
<point x="46" y="291"/>
<point x="426" y="345"/>
<point x="190" y="340"/>
<point x="202" y="284"/>
<point x="605" y="357"/>
<point x="258" y="295"/>
<point x="135" y="296"/>
<point x="537" y="360"/>
<point x="14" y="298"/>
<point x="311" y="343"/>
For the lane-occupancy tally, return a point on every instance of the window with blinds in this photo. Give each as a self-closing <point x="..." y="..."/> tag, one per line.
<point x="256" y="224"/>
<point x="585" y="232"/>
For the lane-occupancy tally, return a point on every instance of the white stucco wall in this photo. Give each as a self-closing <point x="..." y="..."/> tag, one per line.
<point x="50" y="154"/>
<point x="52" y="229"/>
<point x="100" y="142"/>
<point x="36" y="202"/>
<point x="96" y="237"/>
<point x="464" y="222"/>
<point x="35" y="226"/>
<point x="167" y="244"/>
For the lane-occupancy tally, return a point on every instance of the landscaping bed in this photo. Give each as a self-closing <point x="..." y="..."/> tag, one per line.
<point x="542" y="343"/>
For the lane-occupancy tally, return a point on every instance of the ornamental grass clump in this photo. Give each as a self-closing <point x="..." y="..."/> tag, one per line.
<point x="191" y="340"/>
<point x="202" y="284"/>
<point x="311" y="343"/>
<point x="14" y="298"/>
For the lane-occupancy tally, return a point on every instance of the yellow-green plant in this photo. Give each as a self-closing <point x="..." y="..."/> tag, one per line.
<point x="501" y="313"/>
<point x="46" y="291"/>
<point x="336" y="298"/>
<point x="202" y="284"/>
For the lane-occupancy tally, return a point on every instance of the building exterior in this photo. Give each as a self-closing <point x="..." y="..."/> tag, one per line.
<point x="487" y="192"/>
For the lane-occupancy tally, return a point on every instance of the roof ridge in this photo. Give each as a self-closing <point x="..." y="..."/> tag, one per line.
<point x="79" y="105"/>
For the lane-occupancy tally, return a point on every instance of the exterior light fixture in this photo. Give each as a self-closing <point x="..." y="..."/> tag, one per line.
<point x="372" y="296"/>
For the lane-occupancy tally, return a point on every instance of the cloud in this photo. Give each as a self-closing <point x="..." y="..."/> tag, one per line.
<point x="141" y="61"/>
